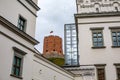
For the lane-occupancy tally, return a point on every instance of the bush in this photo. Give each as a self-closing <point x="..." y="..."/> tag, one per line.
<point x="57" y="61"/>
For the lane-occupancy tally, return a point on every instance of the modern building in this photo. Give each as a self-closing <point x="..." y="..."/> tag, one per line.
<point x="98" y="23"/>
<point x="70" y="45"/>
<point x="52" y="44"/>
<point x="19" y="60"/>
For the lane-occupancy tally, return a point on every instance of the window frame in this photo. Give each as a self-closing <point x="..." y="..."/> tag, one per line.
<point x="117" y="65"/>
<point x="19" y="54"/>
<point x="97" y="30"/>
<point x="25" y="23"/>
<point x="116" y="30"/>
<point x="100" y="66"/>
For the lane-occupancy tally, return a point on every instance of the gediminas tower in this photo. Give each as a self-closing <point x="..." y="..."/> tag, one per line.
<point x="52" y="46"/>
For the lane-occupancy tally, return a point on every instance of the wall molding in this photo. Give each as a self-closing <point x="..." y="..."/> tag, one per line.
<point x="17" y="42"/>
<point x="14" y="29"/>
<point x="47" y="61"/>
<point x="27" y="8"/>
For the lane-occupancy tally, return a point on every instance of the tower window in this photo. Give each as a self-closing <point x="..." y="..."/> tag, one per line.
<point x="46" y="50"/>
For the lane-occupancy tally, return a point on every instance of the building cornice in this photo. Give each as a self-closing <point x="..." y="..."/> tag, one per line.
<point x="14" y="29"/>
<point x="27" y="7"/>
<point x="93" y="15"/>
<point x="47" y="61"/>
<point x="33" y="4"/>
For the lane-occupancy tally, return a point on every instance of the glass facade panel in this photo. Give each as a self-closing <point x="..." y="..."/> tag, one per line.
<point x="71" y="45"/>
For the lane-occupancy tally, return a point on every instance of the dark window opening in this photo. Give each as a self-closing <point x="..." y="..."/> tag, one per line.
<point x="16" y="66"/>
<point x="21" y="23"/>
<point x="97" y="10"/>
<point x="46" y="50"/>
<point x="101" y="73"/>
<point x="116" y="9"/>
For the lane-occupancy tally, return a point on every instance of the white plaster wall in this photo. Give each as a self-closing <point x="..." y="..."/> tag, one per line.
<point x="48" y="72"/>
<point x="16" y="37"/>
<point x="35" y="1"/>
<point x="78" y="78"/>
<point x="11" y="9"/>
<point x="107" y="55"/>
<point x="6" y="60"/>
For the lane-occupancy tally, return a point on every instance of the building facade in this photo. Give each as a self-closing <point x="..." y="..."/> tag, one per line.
<point x="52" y="44"/>
<point x="19" y="60"/>
<point x="70" y="45"/>
<point x="98" y="23"/>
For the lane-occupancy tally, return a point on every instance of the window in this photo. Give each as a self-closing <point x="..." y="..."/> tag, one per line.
<point x="97" y="10"/>
<point x="100" y="68"/>
<point x="116" y="38"/>
<point x="97" y="37"/>
<point x="101" y="74"/>
<point x="116" y="9"/>
<point x="46" y="50"/>
<point x="21" y="23"/>
<point x="17" y="63"/>
<point x="117" y="70"/>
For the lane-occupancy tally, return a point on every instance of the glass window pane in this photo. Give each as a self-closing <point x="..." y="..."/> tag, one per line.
<point x="95" y="44"/>
<point x="17" y="71"/>
<point x="114" y="39"/>
<point x="95" y="40"/>
<point x="118" y="34"/>
<point x="68" y="42"/>
<point x="113" y="33"/>
<point x="118" y="38"/>
<point x="100" y="40"/>
<point x="94" y="35"/>
<point x="100" y="44"/>
<point x="99" y="34"/>
<point x="114" y="43"/>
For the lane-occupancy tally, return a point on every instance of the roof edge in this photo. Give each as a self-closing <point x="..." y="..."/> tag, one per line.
<point x="58" y="67"/>
<point x="92" y="15"/>
<point x="34" y="5"/>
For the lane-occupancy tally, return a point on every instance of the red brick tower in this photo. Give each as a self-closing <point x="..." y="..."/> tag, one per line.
<point x="52" y="46"/>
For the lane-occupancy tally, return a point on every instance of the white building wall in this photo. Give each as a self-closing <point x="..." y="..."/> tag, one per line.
<point x="107" y="55"/>
<point x="6" y="59"/>
<point x="11" y="9"/>
<point x="44" y="71"/>
<point x="16" y="37"/>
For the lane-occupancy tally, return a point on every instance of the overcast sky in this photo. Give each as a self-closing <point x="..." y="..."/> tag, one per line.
<point x="52" y="16"/>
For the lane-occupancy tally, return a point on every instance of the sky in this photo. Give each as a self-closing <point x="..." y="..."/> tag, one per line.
<point x="52" y="16"/>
